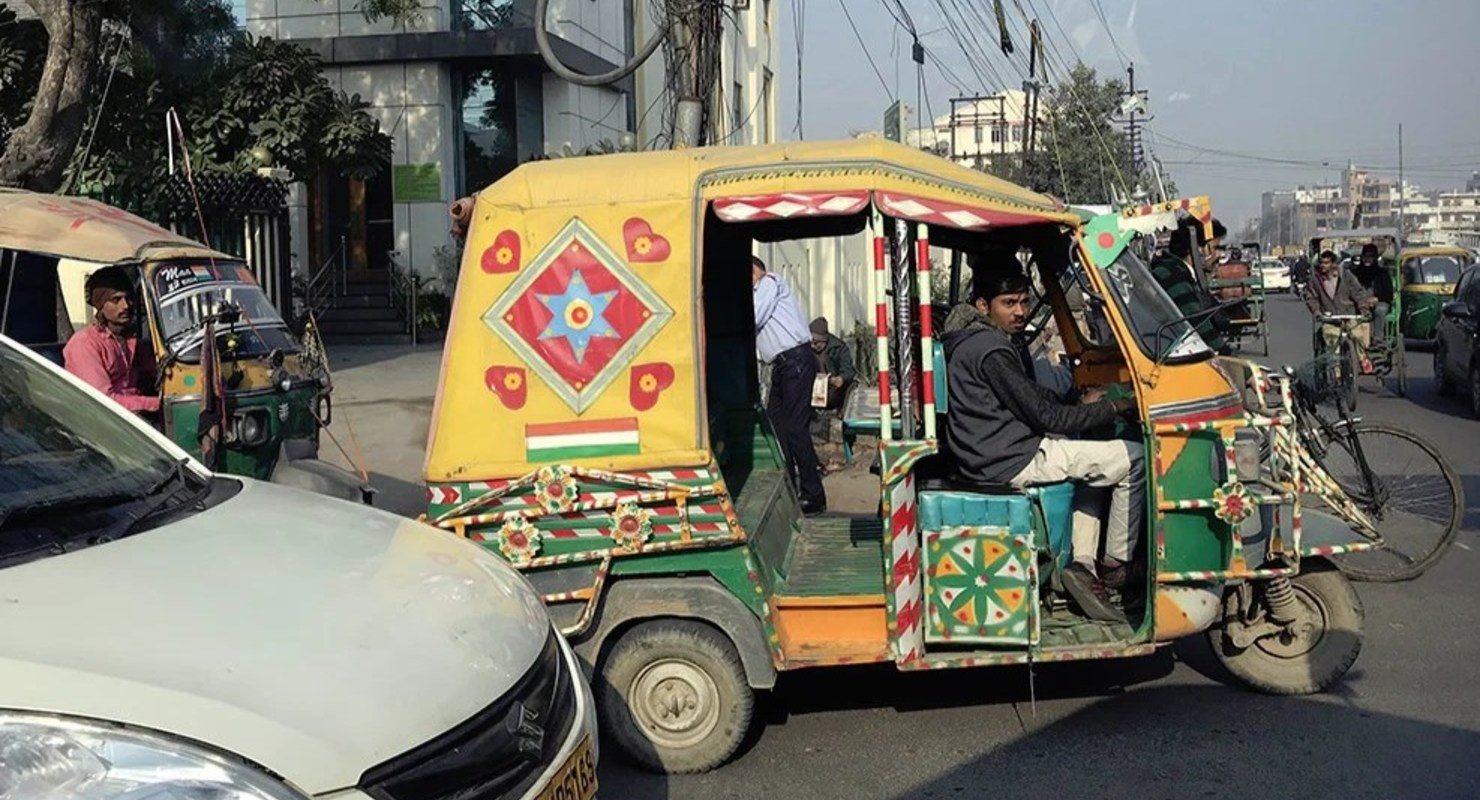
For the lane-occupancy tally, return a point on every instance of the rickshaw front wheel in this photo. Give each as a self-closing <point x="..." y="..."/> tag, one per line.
<point x="1305" y="655"/>
<point x="672" y="696"/>
<point x="1442" y="385"/>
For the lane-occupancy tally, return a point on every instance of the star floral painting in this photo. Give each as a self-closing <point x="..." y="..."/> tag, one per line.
<point x="577" y="315"/>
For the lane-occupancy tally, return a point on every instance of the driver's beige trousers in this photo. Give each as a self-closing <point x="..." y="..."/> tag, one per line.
<point x="1115" y="467"/>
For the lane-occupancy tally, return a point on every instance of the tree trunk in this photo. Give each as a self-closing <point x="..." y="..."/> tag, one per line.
<point x="39" y="150"/>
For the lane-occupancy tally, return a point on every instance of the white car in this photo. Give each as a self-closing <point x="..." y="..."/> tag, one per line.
<point x="172" y="633"/>
<point x="1275" y="274"/>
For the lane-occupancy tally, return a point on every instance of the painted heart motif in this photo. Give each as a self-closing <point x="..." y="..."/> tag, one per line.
<point x="503" y="254"/>
<point x="509" y="384"/>
<point x="644" y="246"/>
<point x="649" y="381"/>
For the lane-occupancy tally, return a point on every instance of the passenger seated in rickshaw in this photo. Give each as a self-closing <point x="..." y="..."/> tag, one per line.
<point x="107" y="353"/>
<point x="999" y="423"/>
<point x="1174" y="271"/>
<point x="1337" y="292"/>
<point x="1376" y="279"/>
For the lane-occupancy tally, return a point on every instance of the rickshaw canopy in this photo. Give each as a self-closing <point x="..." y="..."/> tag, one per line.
<point x="81" y="229"/>
<point x="576" y="334"/>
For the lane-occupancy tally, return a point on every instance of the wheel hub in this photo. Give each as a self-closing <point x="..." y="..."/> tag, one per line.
<point x="1303" y="634"/>
<point x="675" y="702"/>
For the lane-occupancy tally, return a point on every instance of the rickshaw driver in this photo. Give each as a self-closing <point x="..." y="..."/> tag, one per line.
<point x="1336" y="291"/>
<point x="1173" y="271"/>
<point x="1379" y="283"/>
<point x="999" y="424"/>
<point x="783" y="340"/>
<point x="106" y="354"/>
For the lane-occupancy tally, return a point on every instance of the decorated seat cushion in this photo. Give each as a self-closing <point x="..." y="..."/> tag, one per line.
<point x="1013" y="512"/>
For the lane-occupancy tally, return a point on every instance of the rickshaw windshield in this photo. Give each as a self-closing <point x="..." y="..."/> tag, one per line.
<point x="259" y="331"/>
<point x="1149" y="311"/>
<point x="1434" y="270"/>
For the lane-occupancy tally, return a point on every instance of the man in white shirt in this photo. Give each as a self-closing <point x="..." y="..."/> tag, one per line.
<point x="784" y="341"/>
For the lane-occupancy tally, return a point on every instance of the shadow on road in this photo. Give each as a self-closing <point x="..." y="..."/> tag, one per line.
<point x="1248" y="746"/>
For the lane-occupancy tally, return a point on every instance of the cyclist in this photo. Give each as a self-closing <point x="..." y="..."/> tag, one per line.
<point x="1337" y="292"/>
<point x="1376" y="280"/>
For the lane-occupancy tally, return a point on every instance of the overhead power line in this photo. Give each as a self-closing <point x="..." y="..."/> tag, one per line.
<point x="866" y="54"/>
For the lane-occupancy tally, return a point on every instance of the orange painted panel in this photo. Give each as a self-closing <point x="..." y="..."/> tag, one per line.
<point x="816" y="631"/>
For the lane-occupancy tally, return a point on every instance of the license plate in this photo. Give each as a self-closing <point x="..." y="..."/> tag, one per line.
<point x="576" y="778"/>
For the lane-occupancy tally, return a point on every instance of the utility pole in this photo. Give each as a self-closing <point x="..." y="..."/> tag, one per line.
<point x="1133" y="112"/>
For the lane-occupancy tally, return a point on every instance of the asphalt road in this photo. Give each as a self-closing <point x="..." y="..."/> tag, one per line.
<point x="1405" y="722"/>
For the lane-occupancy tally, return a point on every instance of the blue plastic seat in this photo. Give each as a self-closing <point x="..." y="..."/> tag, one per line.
<point x="1045" y="510"/>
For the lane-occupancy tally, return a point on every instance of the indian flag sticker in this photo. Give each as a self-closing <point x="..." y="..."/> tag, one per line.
<point x="562" y="441"/>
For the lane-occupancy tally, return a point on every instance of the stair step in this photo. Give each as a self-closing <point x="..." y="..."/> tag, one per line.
<point x="362" y="326"/>
<point x="353" y="313"/>
<point x="344" y="339"/>
<point x="360" y="301"/>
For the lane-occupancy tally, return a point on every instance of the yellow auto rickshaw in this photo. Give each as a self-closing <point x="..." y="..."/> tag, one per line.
<point x="597" y="422"/>
<point x="217" y="343"/>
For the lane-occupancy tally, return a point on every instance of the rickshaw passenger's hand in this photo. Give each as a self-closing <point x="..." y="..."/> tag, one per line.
<point x="1093" y="394"/>
<point x="1125" y="406"/>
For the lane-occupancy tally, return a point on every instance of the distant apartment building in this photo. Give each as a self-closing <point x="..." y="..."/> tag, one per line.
<point x="974" y="131"/>
<point x="1290" y="217"/>
<point x="466" y="97"/>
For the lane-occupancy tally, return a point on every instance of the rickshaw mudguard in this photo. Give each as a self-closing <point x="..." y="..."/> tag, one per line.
<point x="311" y="474"/>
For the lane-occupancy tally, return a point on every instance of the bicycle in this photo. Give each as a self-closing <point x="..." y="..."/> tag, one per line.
<point x="1344" y="362"/>
<point x="1386" y="479"/>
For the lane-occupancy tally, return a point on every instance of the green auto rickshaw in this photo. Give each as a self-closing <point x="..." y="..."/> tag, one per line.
<point x="217" y="343"/>
<point x="1429" y="275"/>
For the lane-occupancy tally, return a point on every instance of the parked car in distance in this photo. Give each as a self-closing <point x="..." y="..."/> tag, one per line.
<point x="1275" y="274"/>
<point x="170" y="632"/>
<point x="1457" y="342"/>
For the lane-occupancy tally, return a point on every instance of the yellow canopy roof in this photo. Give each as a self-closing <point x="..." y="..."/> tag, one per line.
<point x="1410" y="253"/>
<point x="710" y="172"/>
<point x="83" y="229"/>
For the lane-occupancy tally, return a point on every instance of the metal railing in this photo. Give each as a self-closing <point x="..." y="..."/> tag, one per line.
<point x="327" y="282"/>
<point x="403" y="287"/>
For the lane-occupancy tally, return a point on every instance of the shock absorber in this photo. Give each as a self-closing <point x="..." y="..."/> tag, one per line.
<point x="1279" y="597"/>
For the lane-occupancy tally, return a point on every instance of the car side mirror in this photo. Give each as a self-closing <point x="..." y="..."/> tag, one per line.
<point x="1456" y="309"/>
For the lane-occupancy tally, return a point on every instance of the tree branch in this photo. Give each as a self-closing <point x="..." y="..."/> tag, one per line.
<point x="39" y="150"/>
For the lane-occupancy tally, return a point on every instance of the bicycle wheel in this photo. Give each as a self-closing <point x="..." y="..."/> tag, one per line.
<point x="1346" y="368"/>
<point x="1415" y="500"/>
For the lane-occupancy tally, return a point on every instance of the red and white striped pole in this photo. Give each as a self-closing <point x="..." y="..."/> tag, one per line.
<point x="878" y="289"/>
<point x="927" y="338"/>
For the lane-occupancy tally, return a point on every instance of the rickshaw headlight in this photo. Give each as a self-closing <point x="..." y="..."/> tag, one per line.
<point x="58" y="757"/>
<point x="1247" y="454"/>
<point x="251" y="427"/>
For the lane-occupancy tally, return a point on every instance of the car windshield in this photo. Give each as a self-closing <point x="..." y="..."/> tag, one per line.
<point x="1143" y="302"/>
<point x="189" y="291"/>
<point x="1434" y="269"/>
<point x="60" y="447"/>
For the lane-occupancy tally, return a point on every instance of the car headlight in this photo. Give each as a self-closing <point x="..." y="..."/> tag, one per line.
<point x="54" y="758"/>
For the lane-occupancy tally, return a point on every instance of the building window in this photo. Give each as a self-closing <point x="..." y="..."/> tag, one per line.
<point x="239" y="12"/>
<point x="488" y="128"/>
<point x="978" y="134"/>
<point x="996" y="134"/>
<point x="738" y="101"/>
<point x="492" y="15"/>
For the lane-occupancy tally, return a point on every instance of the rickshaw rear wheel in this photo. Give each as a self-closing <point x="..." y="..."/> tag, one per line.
<point x="1306" y="656"/>
<point x="673" y="697"/>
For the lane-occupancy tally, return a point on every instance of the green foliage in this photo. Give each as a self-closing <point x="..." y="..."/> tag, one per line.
<point x="1082" y="157"/>
<point x="237" y="96"/>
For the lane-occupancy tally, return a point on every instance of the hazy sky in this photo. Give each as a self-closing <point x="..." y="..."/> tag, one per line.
<point x="1268" y="82"/>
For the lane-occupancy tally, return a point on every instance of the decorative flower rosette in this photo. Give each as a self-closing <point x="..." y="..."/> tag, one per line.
<point x="555" y="489"/>
<point x="632" y="525"/>
<point x="1234" y="504"/>
<point x="518" y="540"/>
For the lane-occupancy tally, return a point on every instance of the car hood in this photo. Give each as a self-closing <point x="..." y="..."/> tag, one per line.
<point x="313" y="636"/>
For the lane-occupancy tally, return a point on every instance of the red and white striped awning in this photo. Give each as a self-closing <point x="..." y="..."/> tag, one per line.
<point x="789" y="205"/>
<point x="948" y="214"/>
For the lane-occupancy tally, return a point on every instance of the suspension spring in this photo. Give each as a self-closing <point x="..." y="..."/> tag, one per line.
<point x="1279" y="597"/>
